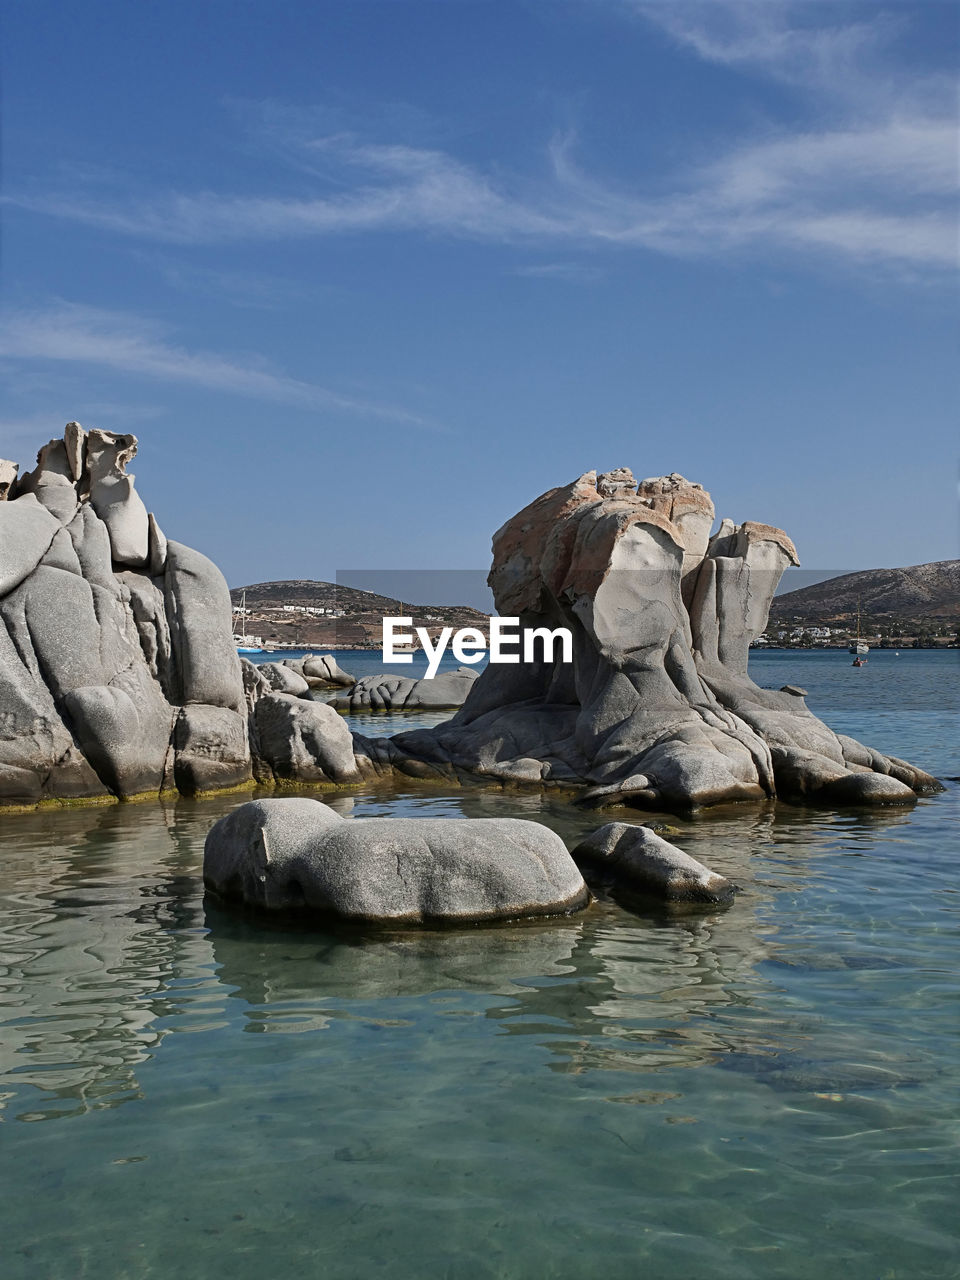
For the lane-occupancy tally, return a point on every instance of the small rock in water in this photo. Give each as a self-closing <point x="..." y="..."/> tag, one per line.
<point x="639" y="859"/>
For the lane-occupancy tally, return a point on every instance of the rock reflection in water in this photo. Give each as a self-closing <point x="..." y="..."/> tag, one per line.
<point x="109" y="948"/>
<point x="97" y="939"/>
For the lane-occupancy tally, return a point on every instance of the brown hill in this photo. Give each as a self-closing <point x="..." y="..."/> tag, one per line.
<point x="921" y="591"/>
<point x="352" y="617"/>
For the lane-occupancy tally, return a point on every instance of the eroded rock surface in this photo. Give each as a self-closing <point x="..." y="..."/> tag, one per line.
<point x="292" y="737"/>
<point x="284" y="678"/>
<point x="656" y="707"/>
<point x="8" y="476"/>
<point x="297" y="854"/>
<point x="637" y="859"/>
<point x="386" y="692"/>
<point x="321" y="671"/>
<point x="118" y="672"/>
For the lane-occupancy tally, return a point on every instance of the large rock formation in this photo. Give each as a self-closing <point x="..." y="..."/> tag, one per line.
<point x="292" y="738"/>
<point x="656" y="707"/>
<point x="118" y="671"/>
<point x="119" y="675"/>
<point x="297" y="854"/>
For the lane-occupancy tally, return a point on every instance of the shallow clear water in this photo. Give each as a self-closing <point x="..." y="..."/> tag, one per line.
<point x="763" y="1092"/>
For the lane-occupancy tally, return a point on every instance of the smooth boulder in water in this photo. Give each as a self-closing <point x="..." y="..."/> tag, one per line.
<point x="297" y="854"/>
<point x="636" y="858"/>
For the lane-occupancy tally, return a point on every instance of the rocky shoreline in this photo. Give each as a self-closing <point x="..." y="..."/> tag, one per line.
<point x="119" y="677"/>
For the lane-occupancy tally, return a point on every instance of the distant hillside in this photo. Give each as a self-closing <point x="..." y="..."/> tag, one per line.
<point x="922" y="591"/>
<point x="328" y="595"/>
<point x="351" y="618"/>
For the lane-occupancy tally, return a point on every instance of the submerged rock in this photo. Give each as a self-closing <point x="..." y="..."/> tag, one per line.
<point x="638" y="859"/>
<point x="297" y="854"/>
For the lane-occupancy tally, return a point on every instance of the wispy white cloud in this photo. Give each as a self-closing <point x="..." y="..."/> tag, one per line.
<point x="786" y="192"/>
<point x="396" y="188"/>
<point x="871" y="178"/>
<point x="840" y="59"/>
<point x="574" y="272"/>
<point x="798" y="43"/>
<point x="87" y="335"/>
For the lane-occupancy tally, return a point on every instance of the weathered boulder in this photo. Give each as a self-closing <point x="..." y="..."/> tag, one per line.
<point x="297" y="854"/>
<point x="320" y="670"/>
<point x="201" y="629"/>
<point x="637" y="859"/>
<point x="386" y="692"/>
<point x="8" y="476"/>
<point x="124" y="731"/>
<point x="114" y="498"/>
<point x="212" y="749"/>
<point x="255" y="685"/>
<point x="118" y="674"/>
<point x="284" y="679"/>
<point x="656" y="708"/>
<point x="297" y="740"/>
<point x="51" y="482"/>
<point x="38" y="755"/>
<point x="27" y="531"/>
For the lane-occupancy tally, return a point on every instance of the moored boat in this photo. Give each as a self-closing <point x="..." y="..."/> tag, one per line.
<point x="858" y="646"/>
<point x="245" y="643"/>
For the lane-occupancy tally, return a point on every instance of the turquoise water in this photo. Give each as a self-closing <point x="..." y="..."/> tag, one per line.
<point x="768" y="1091"/>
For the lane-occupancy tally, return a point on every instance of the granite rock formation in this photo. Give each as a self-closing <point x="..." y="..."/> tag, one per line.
<point x="637" y="859"/>
<point x="656" y="709"/>
<point x="118" y="672"/>
<point x="385" y="692"/>
<point x="292" y="738"/>
<point x="119" y="675"/>
<point x="8" y="477"/>
<point x="283" y="678"/>
<point x="297" y="854"/>
<point x="321" y="671"/>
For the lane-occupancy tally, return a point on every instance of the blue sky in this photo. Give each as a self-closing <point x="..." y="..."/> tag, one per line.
<point x="365" y="277"/>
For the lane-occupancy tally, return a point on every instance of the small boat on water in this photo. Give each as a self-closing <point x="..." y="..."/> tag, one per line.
<point x="859" y="647"/>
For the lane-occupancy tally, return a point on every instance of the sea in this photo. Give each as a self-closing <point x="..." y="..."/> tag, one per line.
<point x="764" y="1091"/>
